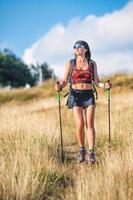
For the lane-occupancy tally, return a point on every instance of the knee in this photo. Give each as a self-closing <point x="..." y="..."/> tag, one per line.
<point x="90" y="126"/>
<point x="80" y="125"/>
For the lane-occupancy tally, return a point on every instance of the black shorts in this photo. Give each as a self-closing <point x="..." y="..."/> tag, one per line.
<point x="80" y="98"/>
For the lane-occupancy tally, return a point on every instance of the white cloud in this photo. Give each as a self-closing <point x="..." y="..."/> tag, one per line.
<point x="110" y="38"/>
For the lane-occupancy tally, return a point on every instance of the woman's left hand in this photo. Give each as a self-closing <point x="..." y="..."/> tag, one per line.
<point x="107" y="85"/>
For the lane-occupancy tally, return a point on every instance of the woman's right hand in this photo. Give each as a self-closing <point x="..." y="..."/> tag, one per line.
<point x="58" y="86"/>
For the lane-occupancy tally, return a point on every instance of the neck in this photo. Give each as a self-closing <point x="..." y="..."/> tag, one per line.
<point x="81" y="58"/>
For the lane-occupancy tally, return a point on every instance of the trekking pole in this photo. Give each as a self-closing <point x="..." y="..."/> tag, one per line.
<point x="108" y="93"/>
<point x="61" y="138"/>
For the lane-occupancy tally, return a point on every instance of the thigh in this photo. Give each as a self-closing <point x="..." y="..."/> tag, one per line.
<point x="89" y="115"/>
<point x="78" y="115"/>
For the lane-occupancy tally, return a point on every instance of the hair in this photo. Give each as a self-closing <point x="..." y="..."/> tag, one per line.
<point x="85" y="44"/>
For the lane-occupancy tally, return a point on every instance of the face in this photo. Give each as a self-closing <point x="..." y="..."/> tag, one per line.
<point x="79" y="49"/>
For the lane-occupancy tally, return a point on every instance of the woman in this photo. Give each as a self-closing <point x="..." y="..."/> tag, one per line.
<point x="81" y="98"/>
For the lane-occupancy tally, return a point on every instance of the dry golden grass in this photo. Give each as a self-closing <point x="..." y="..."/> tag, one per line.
<point x="30" y="167"/>
<point x="24" y="95"/>
<point x="112" y="178"/>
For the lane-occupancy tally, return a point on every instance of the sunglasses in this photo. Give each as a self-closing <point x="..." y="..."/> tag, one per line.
<point x="77" y="46"/>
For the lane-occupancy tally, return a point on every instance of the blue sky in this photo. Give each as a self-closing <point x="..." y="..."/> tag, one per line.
<point x="42" y="30"/>
<point x="23" y="22"/>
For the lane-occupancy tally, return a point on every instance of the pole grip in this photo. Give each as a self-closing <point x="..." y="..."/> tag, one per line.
<point x="58" y="83"/>
<point x="108" y="81"/>
<point x="108" y="90"/>
<point x="58" y="92"/>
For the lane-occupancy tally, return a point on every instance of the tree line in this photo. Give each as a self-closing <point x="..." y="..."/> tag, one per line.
<point x="14" y="72"/>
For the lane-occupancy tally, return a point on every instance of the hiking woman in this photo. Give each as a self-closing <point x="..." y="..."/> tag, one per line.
<point x="81" y="98"/>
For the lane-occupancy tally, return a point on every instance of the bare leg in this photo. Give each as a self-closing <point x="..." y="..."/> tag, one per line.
<point x="79" y="120"/>
<point x="89" y="115"/>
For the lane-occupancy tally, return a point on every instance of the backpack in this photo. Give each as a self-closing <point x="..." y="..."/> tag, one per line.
<point x="91" y="63"/>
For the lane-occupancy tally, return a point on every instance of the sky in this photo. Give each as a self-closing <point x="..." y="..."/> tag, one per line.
<point x="40" y="31"/>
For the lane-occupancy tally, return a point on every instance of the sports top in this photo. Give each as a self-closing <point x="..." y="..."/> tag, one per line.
<point x="81" y="75"/>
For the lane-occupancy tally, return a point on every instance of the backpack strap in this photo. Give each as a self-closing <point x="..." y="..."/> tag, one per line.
<point x="91" y="64"/>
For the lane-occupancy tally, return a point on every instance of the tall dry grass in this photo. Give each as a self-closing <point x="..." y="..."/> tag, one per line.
<point x="112" y="178"/>
<point x="30" y="165"/>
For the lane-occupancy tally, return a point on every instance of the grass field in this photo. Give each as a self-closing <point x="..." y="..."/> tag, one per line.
<point x="30" y="167"/>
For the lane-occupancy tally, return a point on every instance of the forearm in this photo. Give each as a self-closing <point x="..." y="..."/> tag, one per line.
<point x="101" y="85"/>
<point x="63" y="83"/>
<point x="106" y="85"/>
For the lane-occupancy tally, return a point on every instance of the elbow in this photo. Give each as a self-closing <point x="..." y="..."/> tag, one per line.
<point x="96" y="83"/>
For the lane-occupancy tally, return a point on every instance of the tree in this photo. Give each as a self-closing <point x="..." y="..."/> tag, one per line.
<point x="47" y="73"/>
<point x="13" y="71"/>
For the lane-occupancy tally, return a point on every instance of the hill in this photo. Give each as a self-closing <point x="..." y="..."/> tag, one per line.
<point x="120" y="83"/>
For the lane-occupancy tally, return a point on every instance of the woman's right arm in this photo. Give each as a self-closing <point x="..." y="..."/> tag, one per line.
<point x="64" y="81"/>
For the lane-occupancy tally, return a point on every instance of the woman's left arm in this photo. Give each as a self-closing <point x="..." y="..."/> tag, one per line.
<point x="96" y="78"/>
<point x="106" y="85"/>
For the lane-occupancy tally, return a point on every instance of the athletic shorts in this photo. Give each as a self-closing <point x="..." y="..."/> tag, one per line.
<point x="80" y="98"/>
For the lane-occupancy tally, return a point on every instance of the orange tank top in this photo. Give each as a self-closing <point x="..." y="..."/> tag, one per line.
<point x="81" y="76"/>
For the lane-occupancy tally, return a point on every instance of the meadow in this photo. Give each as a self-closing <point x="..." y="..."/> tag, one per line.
<point x="30" y="158"/>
